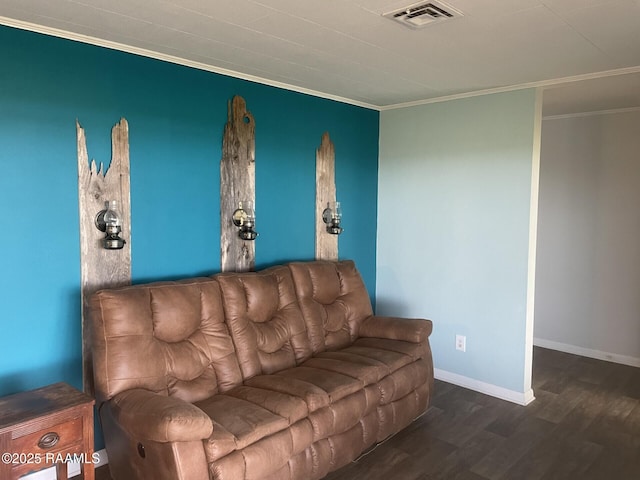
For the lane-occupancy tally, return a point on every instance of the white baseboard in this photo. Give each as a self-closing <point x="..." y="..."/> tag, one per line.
<point x="487" y="388"/>
<point x="587" y="352"/>
<point x="73" y="469"/>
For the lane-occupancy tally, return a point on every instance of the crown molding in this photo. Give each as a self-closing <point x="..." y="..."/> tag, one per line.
<point x="540" y="84"/>
<point x="589" y="114"/>
<point x="55" y="32"/>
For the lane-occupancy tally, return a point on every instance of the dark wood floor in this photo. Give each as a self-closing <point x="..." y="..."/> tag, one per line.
<point x="583" y="425"/>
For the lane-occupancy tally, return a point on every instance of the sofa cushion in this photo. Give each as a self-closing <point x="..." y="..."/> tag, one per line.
<point x="347" y="356"/>
<point x="392" y="360"/>
<point x="336" y="385"/>
<point x="333" y="300"/>
<point x="246" y="421"/>
<point x="404" y="380"/>
<point x="290" y="407"/>
<point x="244" y="415"/>
<point x="256" y="461"/>
<point x="318" y="387"/>
<point x="313" y="396"/>
<point x="344" y="413"/>
<point x="366" y="373"/>
<point x="221" y="442"/>
<point x="264" y="319"/>
<point x="166" y="337"/>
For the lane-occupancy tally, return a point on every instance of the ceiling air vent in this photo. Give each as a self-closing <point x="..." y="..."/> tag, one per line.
<point x="422" y="14"/>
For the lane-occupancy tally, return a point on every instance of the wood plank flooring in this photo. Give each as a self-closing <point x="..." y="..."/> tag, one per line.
<point x="583" y="425"/>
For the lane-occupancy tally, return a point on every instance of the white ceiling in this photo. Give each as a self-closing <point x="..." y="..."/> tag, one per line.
<point x="345" y="49"/>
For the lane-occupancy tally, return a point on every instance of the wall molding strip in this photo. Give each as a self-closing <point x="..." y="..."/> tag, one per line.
<point x="533" y="240"/>
<point x="588" y="352"/>
<point x="55" y="32"/>
<point x="522" y="86"/>
<point x="487" y="388"/>
<point x="589" y="114"/>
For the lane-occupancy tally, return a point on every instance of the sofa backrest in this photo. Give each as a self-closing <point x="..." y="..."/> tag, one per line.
<point x="167" y="337"/>
<point x="334" y="301"/>
<point x="197" y="337"/>
<point x="265" y="321"/>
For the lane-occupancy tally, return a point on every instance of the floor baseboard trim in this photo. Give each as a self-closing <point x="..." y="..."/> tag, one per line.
<point x="587" y="352"/>
<point x="73" y="469"/>
<point x="487" y="388"/>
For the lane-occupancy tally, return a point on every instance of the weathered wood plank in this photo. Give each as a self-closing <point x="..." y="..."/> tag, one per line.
<point x="102" y="268"/>
<point x="237" y="184"/>
<point x="326" y="243"/>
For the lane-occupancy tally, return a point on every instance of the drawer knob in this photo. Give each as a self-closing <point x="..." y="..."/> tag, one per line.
<point x="49" y="440"/>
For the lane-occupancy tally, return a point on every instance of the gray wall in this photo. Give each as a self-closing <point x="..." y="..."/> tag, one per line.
<point x="588" y="259"/>
<point x="454" y="209"/>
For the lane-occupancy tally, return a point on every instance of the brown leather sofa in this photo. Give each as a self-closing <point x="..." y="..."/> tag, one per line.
<point x="279" y="374"/>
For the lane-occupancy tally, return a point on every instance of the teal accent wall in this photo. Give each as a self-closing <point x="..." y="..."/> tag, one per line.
<point x="453" y="228"/>
<point x="176" y="118"/>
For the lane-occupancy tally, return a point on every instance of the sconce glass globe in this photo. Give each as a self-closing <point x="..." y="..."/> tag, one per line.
<point x="111" y="216"/>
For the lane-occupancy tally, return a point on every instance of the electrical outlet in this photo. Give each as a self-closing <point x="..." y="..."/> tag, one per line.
<point x="461" y="343"/>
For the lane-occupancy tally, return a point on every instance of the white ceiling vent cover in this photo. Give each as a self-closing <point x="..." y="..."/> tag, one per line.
<point x="422" y="14"/>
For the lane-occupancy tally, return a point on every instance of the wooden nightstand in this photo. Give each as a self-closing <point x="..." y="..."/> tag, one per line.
<point x="45" y="427"/>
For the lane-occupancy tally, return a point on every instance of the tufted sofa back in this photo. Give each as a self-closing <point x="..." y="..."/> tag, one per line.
<point x="194" y="338"/>
<point x="266" y="324"/>
<point x="334" y="301"/>
<point x="167" y="337"/>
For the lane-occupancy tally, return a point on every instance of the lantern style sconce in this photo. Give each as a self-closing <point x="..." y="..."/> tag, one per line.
<point x="244" y="217"/>
<point x="109" y="221"/>
<point x="332" y="215"/>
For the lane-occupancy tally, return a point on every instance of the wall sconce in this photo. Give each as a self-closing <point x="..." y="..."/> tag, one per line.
<point x="332" y="215"/>
<point x="109" y="221"/>
<point x="244" y="218"/>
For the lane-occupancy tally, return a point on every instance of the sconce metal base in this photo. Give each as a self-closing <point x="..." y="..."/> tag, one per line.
<point x="327" y="215"/>
<point x="247" y="234"/>
<point x="99" y="221"/>
<point x="334" y="230"/>
<point x="113" y="243"/>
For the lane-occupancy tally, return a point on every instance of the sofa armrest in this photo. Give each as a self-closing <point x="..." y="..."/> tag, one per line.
<point x="408" y="329"/>
<point x="151" y="416"/>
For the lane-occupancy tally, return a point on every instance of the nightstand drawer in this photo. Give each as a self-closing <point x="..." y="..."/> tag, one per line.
<point x="46" y="426"/>
<point x="50" y="439"/>
<point x="35" y="463"/>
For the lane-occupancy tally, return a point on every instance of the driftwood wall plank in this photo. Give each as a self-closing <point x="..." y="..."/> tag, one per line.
<point x="102" y="268"/>
<point x="237" y="184"/>
<point x="326" y="243"/>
